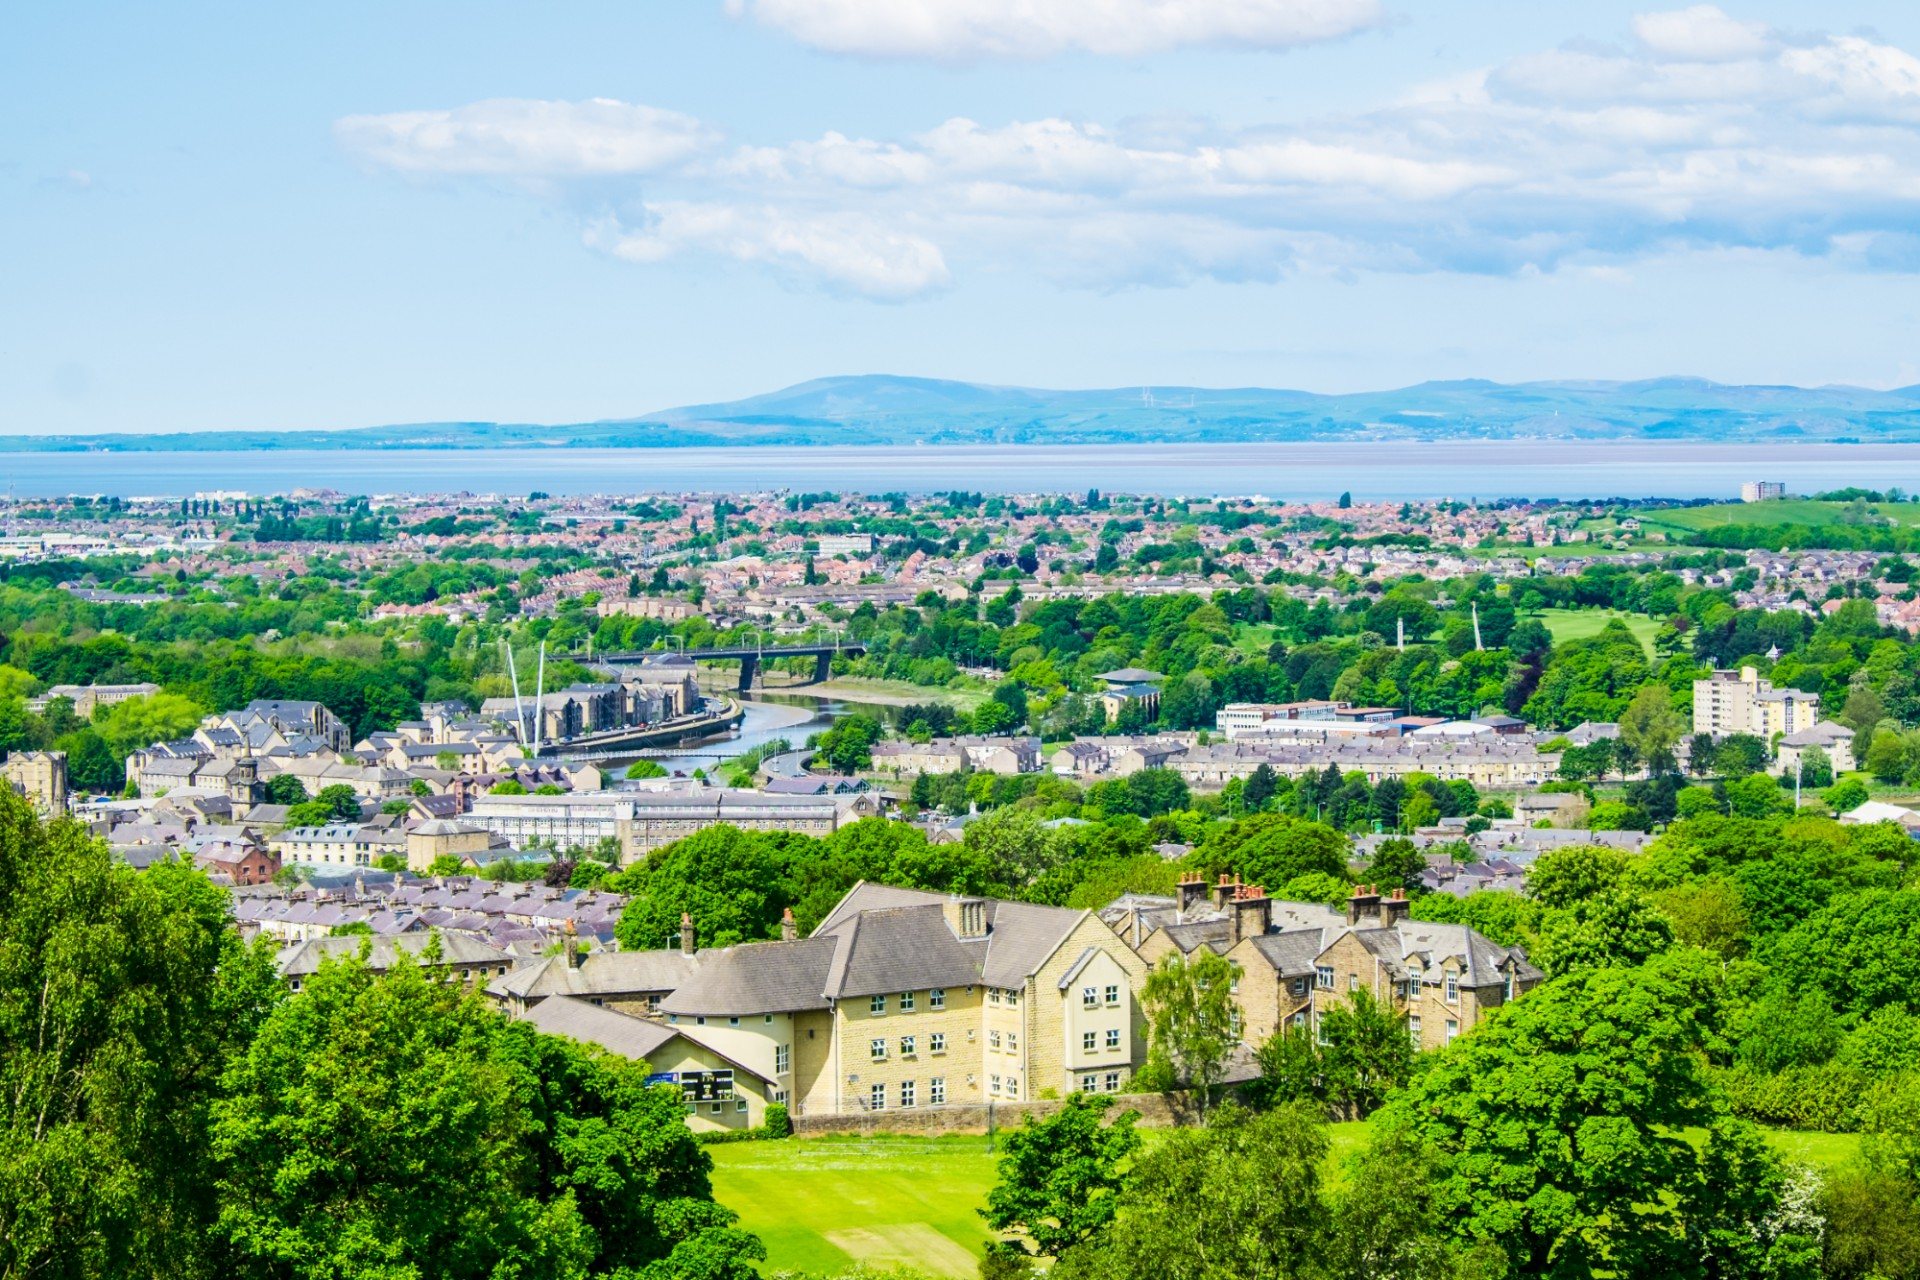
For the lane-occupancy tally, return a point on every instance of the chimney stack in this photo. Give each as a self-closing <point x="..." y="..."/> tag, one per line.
<point x="1223" y="892"/>
<point x="1193" y="892"/>
<point x="573" y="947"/>
<point x="1364" y="902"/>
<point x="788" y="929"/>
<point x="1394" y="908"/>
<point x="686" y="933"/>
<point x="1250" y="915"/>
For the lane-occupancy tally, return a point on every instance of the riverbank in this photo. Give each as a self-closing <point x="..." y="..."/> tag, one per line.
<point x="885" y="693"/>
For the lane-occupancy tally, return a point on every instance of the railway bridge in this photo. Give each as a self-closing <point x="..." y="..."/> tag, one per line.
<point x="750" y="657"/>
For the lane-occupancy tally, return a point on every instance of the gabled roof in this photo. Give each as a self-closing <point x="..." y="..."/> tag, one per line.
<point x="1020" y="935"/>
<point x="303" y="958"/>
<point x="899" y="949"/>
<point x="613" y="1031"/>
<point x="758" y="977"/>
<point x="602" y="973"/>
<point x="1291" y="954"/>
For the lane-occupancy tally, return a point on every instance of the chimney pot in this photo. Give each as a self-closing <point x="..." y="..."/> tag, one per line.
<point x="1249" y="915"/>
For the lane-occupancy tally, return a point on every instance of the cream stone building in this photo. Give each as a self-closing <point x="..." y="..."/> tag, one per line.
<point x="904" y="1000"/>
<point x="40" y="776"/>
<point x="719" y="1092"/>
<point x="1298" y="959"/>
<point x="1741" y="702"/>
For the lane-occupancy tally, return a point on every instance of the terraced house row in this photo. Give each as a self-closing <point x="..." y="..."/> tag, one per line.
<point x="904" y="1000"/>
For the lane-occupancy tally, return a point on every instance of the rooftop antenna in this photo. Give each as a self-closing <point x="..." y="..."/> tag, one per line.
<point x="1476" y="626"/>
<point x="519" y="714"/>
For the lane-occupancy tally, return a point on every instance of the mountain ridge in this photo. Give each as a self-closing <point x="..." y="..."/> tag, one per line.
<point x="897" y="409"/>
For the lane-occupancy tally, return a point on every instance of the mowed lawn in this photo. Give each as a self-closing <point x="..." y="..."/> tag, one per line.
<point x="1581" y="624"/>
<point x="823" y="1204"/>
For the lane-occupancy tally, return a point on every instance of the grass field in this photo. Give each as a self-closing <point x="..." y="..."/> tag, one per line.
<point x="1580" y="624"/>
<point x="1801" y="511"/>
<point x="823" y="1204"/>
<point x="826" y="1203"/>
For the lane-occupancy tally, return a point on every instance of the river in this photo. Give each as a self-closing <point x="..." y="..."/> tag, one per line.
<point x="765" y="718"/>
<point x="1393" y="471"/>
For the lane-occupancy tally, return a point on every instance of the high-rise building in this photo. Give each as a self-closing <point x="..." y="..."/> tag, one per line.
<point x="1762" y="490"/>
<point x="1741" y="702"/>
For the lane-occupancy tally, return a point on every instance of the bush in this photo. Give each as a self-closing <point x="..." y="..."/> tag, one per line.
<point x="1831" y="1097"/>
<point x="778" y="1123"/>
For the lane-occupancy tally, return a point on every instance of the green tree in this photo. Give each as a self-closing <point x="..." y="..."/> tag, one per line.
<point x="342" y="800"/>
<point x="731" y="882"/>
<point x="1192" y="1022"/>
<point x="1059" y="1176"/>
<point x="139" y="722"/>
<point x="393" y="1125"/>
<point x="1845" y="795"/>
<point x="1887" y="757"/>
<point x="1756" y="796"/>
<point x="1260" y="788"/>
<point x="1240" y="1199"/>
<point x="123" y="998"/>
<point x="1651" y="725"/>
<point x="285" y="788"/>
<point x="640" y="769"/>
<point x="1367" y="1056"/>
<point x="1559" y="1129"/>
<point x="1396" y="863"/>
<point x="847" y="746"/>
<point x="309" y="813"/>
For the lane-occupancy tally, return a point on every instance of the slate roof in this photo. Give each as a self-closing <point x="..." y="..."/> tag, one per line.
<point x="620" y="1033"/>
<point x="601" y="973"/>
<point x="303" y="958"/>
<point x="1291" y="954"/>
<point x="759" y="977"/>
<point x="1020" y="935"/>
<point x="899" y="949"/>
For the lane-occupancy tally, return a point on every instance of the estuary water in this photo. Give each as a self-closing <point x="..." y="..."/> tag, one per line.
<point x="1392" y="470"/>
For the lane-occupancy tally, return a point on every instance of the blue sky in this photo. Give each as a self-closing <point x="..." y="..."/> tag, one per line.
<point x="270" y="216"/>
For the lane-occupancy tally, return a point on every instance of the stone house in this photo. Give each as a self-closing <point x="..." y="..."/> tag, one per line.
<point x="903" y="999"/>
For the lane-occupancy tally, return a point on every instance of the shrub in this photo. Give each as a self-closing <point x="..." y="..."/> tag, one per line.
<point x="778" y="1123"/>
<point x="1832" y="1097"/>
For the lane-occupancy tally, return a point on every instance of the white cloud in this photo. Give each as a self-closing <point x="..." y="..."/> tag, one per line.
<point x="521" y="138"/>
<point x="968" y="30"/>
<point x="1703" y="33"/>
<point x="1703" y="134"/>
<point x="846" y="253"/>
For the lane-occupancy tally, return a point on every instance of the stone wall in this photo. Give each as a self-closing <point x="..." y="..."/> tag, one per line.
<point x="1157" y="1111"/>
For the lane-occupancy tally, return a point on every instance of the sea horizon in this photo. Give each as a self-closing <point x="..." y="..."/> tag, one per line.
<point x="1395" y="470"/>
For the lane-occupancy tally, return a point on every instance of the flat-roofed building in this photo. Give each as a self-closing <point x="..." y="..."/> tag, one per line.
<point x="1729" y="702"/>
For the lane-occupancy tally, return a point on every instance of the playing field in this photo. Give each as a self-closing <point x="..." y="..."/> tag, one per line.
<point x="1580" y="624"/>
<point x="823" y="1204"/>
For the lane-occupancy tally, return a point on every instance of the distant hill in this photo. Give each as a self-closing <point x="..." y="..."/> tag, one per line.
<point x="880" y="409"/>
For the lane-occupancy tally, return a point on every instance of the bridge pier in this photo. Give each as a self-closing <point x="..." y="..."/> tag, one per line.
<point x="822" y="667"/>
<point x="749" y="667"/>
